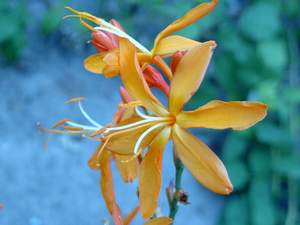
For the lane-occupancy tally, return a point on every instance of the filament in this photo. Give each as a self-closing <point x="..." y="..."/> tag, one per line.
<point x="85" y="127"/>
<point x="88" y="117"/>
<point x="146" y="132"/>
<point x="144" y="115"/>
<point x="154" y="119"/>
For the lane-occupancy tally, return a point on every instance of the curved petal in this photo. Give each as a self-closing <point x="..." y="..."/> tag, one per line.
<point x="189" y="75"/>
<point x="94" y="161"/>
<point x="134" y="81"/>
<point x="190" y="17"/>
<point x="172" y="44"/>
<point x="127" y="167"/>
<point x="112" y="66"/>
<point x="205" y="166"/>
<point x="131" y="216"/>
<point x="106" y="182"/>
<point x="159" y="221"/>
<point x="222" y="115"/>
<point x="94" y="63"/>
<point x="150" y="174"/>
<point x="123" y="142"/>
<point x="116" y="215"/>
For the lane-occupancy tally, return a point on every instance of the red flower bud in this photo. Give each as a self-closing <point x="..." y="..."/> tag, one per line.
<point x="155" y="79"/>
<point x="176" y="57"/>
<point x="125" y="95"/>
<point x="102" y="41"/>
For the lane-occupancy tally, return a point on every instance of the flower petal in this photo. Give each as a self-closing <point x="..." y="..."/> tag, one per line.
<point x="190" y="17"/>
<point x="172" y="44"/>
<point x="150" y="174"/>
<point x="159" y="221"/>
<point x="131" y="216"/>
<point x="123" y="142"/>
<point x="222" y="115"/>
<point x="189" y="75"/>
<point x="106" y="182"/>
<point x="127" y="167"/>
<point x="94" y="161"/>
<point x="134" y="81"/>
<point x="94" y="63"/>
<point x="116" y="214"/>
<point x="205" y="166"/>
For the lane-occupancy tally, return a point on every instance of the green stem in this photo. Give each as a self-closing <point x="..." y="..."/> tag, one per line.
<point x="174" y="202"/>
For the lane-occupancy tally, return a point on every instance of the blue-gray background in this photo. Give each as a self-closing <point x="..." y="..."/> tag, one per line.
<point x="45" y="180"/>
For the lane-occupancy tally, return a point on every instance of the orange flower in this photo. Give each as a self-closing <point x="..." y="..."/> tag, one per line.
<point x="107" y="62"/>
<point x="156" y="129"/>
<point x="133" y="131"/>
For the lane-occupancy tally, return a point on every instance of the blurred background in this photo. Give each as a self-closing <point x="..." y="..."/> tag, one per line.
<point x="45" y="180"/>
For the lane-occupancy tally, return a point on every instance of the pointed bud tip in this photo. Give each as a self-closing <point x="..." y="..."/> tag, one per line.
<point x="212" y="44"/>
<point x="228" y="190"/>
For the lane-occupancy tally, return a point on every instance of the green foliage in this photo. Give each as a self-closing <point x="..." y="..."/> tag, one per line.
<point x="260" y="21"/>
<point x="13" y="21"/>
<point x="273" y="54"/>
<point x="259" y="60"/>
<point x="236" y="210"/>
<point x="261" y="203"/>
<point x="52" y="19"/>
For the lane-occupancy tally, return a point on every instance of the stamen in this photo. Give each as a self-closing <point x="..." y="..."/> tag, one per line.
<point x="90" y="128"/>
<point x="100" y="131"/>
<point x="43" y="129"/>
<point x="71" y="128"/>
<point x="88" y="117"/>
<point x="89" y="27"/>
<point x="144" y="115"/>
<point x="154" y="119"/>
<point x="141" y="138"/>
<point x="58" y="124"/>
<point x="106" y="26"/>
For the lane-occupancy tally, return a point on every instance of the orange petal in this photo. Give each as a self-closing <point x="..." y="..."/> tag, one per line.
<point x="222" y="115"/>
<point x="131" y="216"/>
<point x="94" y="63"/>
<point x="189" y="75"/>
<point x="134" y="81"/>
<point x="123" y="142"/>
<point x="94" y="162"/>
<point x="106" y="182"/>
<point x="150" y="174"/>
<point x="127" y="167"/>
<point x="172" y="44"/>
<point x="112" y="67"/>
<point x="205" y="166"/>
<point x="159" y="221"/>
<point x="111" y="71"/>
<point x="116" y="214"/>
<point x="190" y="17"/>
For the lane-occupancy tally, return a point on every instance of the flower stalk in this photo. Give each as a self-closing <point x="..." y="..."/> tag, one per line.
<point x="174" y="203"/>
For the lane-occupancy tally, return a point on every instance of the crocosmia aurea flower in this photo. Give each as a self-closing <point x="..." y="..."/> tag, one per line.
<point x="142" y="125"/>
<point x="172" y="122"/>
<point x="104" y="39"/>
